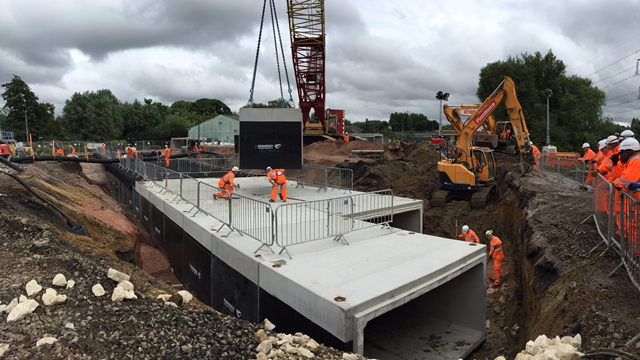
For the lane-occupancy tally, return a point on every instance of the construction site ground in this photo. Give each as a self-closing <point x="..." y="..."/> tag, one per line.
<point x="551" y="284"/>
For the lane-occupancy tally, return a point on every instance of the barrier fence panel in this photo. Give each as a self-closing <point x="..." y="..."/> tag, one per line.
<point x="630" y="238"/>
<point x="603" y="192"/>
<point x="315" y="176"/>
<point x="371" y="209"/>
<point x="189" y="189"/>
<point x="218" y="209"/>
<point x="253" y="218"/>
<point x="306" y="221"/>
<point x="337" y="178"/>
<point x="172" y="181"/>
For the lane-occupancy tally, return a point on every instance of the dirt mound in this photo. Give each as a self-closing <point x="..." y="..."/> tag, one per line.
<point x="333" y="152"/>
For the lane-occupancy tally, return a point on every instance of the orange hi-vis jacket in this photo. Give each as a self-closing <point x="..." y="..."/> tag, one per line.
<point x="589" y="156"/>
<point x="631" y="172"/>
<point x="167" y="152"/>
<point x="59" y="152"/>
<point x="272" y="175"/>
<point x="279" y="177"/>
<point x="496" y="248"/>
<point x="607" y="166"/>
<point x="470" y="236"/>
<point x="227" y="180"/>
<point x="599" y="157"/>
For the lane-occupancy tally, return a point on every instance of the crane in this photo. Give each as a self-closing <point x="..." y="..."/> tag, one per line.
<point x="306" y="25"/>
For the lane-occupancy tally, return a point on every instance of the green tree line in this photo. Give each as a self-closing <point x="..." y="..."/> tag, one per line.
<point x="99" y="115"/>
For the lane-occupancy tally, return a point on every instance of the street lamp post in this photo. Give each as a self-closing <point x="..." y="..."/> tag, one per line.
<point x="547" y="93"/>
<point x="26" y="124"/>
<point x="441" y="96"/>
<point x="198" y="128"/>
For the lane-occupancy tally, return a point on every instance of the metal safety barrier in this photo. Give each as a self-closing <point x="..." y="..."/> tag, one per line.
<point x="630" y="235"/>
<point x="325" y="177"/>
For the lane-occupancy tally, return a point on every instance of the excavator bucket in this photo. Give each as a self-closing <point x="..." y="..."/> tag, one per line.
<point x="524" y="167"/>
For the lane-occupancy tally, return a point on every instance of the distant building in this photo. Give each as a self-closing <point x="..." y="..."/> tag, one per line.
<point x="219" y="128"/>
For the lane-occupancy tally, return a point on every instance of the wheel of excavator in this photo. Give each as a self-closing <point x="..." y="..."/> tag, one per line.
<point x="439" y="198"/>
<point x="480" y="198"/>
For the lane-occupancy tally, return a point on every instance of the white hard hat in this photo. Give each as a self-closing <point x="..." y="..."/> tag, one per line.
<point x="629" y="144"/>
<point x="166" y="146"/>
<point x="268" y="168"/>
<point x="627" y="134"/>
<point x="585" y="145"/>
<point x="489" y="232"/>
<point x="235" y="168"/>
<point x="612" y="139"/>
<point x="602" y="143"/>
<point x="465" y="228"/>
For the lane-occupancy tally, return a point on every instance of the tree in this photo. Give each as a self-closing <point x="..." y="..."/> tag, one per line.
<point x="141" y="121"/>
<point x="19" y="98"/>
<point x="177" y="124"/>
<point x="93" y="116"/>
<point x="210" y="106"/>
<point x="274" y="104"/>
<point x="575" y="109"/>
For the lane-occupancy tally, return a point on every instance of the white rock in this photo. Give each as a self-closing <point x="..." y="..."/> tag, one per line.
<point x="312" y="345"/>
<point x="45" y="341"/>
<point x="70" y="326"/>
<point x="22" y="310"/>
<point x="262" y="356"/>
<point x="347" y="356"/>
<point x="269" y="325"/>
<point x="70" y="284"/>
<point x="33" y="287"/>
<point x="11" y="305"/>
<point x="542" y="341"/>
<point x="290" y="349"/>
<point x="264" y="347"/>
<point x="533" y="348"/>
<point x="523" y="356"/>
<point x="306" y="353"/>
<point x="3" y="349"/>
<point x="541" y="356"/>
<point x="118" y="294"/>
<point x="117" y="276"/>
<point x="59" y="280"/>
<point x="22" y="299"/>
<point x="126" y="285"/>
<point x="550" y="352"/>
<point x="500" y="358"/>
<point x="130" y="295"/>
<point x="2" y="308"/>
<point x="186" y="297"/>
<point x="557" y="341"/>
<point x="566" y="340"/>
<point x="97" y="290"/>
<point x="171" y="303"/>
<point x="566" y="352"/>
<point x="576" y="342"/>
<point x="164" y="297"/>
<point x="51" y="297"/>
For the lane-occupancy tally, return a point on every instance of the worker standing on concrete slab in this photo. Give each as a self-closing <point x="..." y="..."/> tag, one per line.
<point x="469" y="235"/>
<point x="280" y="181"/>
<point x="226" y="184"/>
<point x="495" y="251"/>
<point x="167" y="154"/>
<point x="271" y="175"/>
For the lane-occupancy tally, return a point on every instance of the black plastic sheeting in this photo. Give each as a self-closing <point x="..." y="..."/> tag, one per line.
<point x="145" y="214"/>
<point x="135" y="204"/>
<point x="173" y="236"/>
<point x="157" y="228"/>
<point x="232" y="293"/>
<point x="196" y="271"/>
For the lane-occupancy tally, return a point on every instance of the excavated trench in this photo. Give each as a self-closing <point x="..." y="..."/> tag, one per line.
<point x="515" y="312"/>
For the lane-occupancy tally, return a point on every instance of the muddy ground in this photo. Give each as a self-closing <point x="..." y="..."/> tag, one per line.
<point x="551" y="284"/>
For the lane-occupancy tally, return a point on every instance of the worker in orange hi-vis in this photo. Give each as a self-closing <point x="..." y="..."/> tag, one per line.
<point x="602" y="144"/>
<point x="104" y="149"/>
<point x="345" y="137"/>
<point x="167" y="154"/>
<point x="271" y="174"/>
<point x="129" y="151"/>
<point x="609" y="161"/>
<point x="630" y="157"/>
<point x="279" y="181"/>
<point x="226" y="184"/>
<point x="73" y="150"/>
<point x="495" y="251"/>
<point x="536" y="156"/>
<point x="60" y="152"/>
<point x="469" y="235"/>
<point x="588" y="158"/>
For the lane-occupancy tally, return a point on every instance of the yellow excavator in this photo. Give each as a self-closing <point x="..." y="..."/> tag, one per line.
<point x="470" y="173"/>
<point x="503" y="136"/>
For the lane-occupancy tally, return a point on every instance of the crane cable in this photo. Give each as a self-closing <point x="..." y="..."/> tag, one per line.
<point x="255" y="66"/>
<point x="274" y="24"/>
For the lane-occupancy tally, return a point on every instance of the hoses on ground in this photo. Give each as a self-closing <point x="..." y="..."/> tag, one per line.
<point x="26" y="186"/>
<point x="613" y="353"/>
<point x="10" y="164"/>
<point x="31" y="159"/>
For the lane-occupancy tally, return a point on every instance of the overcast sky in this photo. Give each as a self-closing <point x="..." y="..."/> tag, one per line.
<point x="382" y="56"/>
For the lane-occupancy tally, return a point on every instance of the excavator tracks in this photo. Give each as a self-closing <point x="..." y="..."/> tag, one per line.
<point x="439" y="198"/>
<point x="481" y="196"/>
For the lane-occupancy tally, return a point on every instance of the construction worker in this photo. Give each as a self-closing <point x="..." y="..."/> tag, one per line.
<point x="73" y="151"/>
<point x="271" y="175"/>
<point x="630" y="157"/>
<point x="588" y="158"/>
<point x="279" y="181"/>
<point x="345" y="137"/>
<point x="104" y="149"/>
<point x="226" y="184"/>
<point x="600" y="155"/>
<point x="469" y="235"/>
<point x="60" y="152"/>
<point x="609" y="161"/>
<point x="129" y="151"/>
<point x="495" y="251"/>
<point x="627" y="134"/>
<point x="194" y="148"/>
<point x="536" y="156"/>
<point x="167" y="154"/>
